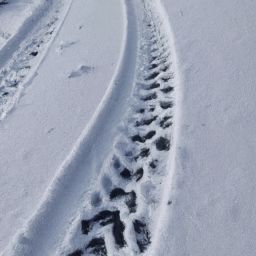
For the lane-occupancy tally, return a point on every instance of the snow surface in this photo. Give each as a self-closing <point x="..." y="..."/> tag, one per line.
<point x="81" y="90"/>
<point x="39" y="134"/>
<point x="13" y="15"/>
<point x="213" y="191"/>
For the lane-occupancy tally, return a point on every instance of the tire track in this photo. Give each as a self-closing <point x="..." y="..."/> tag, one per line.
<point x="119" y="217"/>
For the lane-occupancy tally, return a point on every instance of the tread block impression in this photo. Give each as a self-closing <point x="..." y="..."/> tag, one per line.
<point x="162" y="144"/>
<point x="142" y="235"/>
<point x="166" y="104"/>
<point x="105" y="218"/>
<point x="76" y="253"/>
<point x="97" y="247"/>
<point x="151" y="96"/>
<point x="167" y="89"/>
<point x="153" y="66"/>
<point x="145" y="121"/>
<point x="152" y="86"/>
<point x="130" y="198"/>
<point x="142" y="139"/>
<point x="144" y="152"/>
<point x="139" y="174"/>
<point x="153" y="164"/>
<point x="166" y="78"/>
<point x="166" y="122"/>
<point x="127" y="174"/>
<point x="152" y="76"/>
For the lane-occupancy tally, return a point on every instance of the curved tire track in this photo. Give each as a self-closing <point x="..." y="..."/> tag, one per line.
<point x="127" y="167"/>
<point x="133" y="176"/>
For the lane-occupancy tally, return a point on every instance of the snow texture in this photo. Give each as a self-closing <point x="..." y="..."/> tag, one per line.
<point x="161" y="96"/>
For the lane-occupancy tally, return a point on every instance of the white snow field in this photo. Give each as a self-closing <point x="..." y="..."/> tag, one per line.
<point x="213" y="188"/>
<point x="127" y="128"/>
<point x="54" y="109"/>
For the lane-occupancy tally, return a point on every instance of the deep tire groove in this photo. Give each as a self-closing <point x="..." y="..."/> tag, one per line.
<point x="167" y="89"/>
<point x="142" y="235"/>
<point x="145" y="121"/>
<point x="166" y="104"/>
<point x="130" y="198"/>
<point x="105" y="218"/>
<point x="142" y="139"/>
<point x="140" y="154"/>
<point x="76" y="253"/>
<point x="151" y="96"/>
<point x="97" y="247"/>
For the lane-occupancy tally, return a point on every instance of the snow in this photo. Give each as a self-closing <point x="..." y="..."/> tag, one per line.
<point x="62" y="139"/>
<point x="40" y="132"/>
<point x="18" y="12"/>
<point x="213" y="190"/>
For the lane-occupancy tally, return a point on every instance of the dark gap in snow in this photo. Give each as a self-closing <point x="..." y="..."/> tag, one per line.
<point x="151" y="96"/>
<point x="167" y="78"/>
<point x="162" y="144"/>
<point x="150" y="135"/>
<point x="138" y="138"/>
<point x="141" y="110"/>
<point x="3" y="2"/>
<point x="97" y="246"/>
<point x="144" y="152"/>
<point x="153" y="164"/>
<point x="152" y="109"/>
<point x="142" y="234"/>
<point x="153" y="86"/>
<point x="139" y="174"/>
<point x="126" y="174"/>
<point x="145" y="121"/>
<point x="117" y="192"/>
<point x="164" y="123"/>
<point x="142" y="139"/>
<point x="105" y="218"/>
<point x="152" y="76"/>
<point x="166" y="104"/>
<point x="130" y="198"/>
<point x="169" y="202"/>
<point x="118" y="230"/>
<point x="34" y="53"/>
<point x="167" y="89"/>
<point x="153" y="66"/>
<point x="76" y="253"/>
